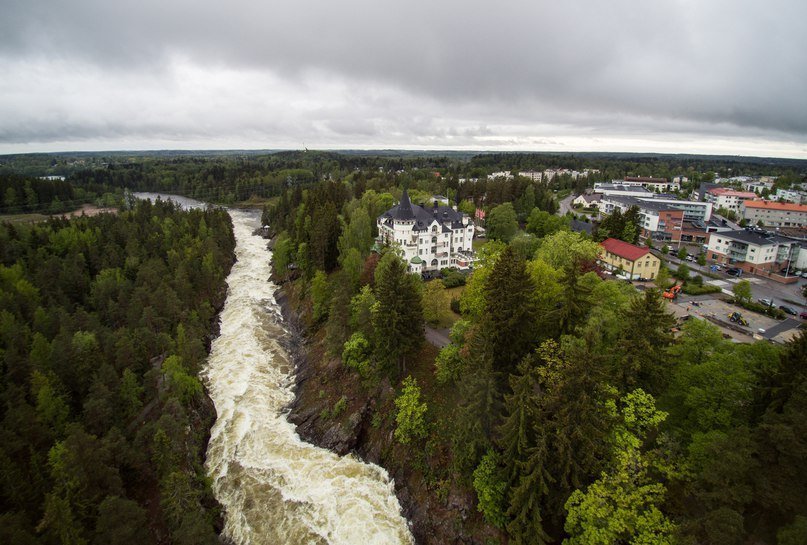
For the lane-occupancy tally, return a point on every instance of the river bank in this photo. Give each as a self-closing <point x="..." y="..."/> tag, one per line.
<point x="334" y="410"/>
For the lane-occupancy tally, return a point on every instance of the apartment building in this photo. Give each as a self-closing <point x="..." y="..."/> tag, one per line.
<point x="775" y="214"/>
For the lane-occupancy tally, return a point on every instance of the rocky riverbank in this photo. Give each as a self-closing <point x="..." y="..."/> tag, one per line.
<point x="334" y="410"/>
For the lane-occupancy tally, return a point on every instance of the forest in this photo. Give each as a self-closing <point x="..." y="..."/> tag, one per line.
<point x="570" y="408"/>
<point x="104" y="324"/>
<point x="574" y="409"/>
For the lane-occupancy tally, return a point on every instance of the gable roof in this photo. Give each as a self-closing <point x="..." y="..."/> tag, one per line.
<point x="623" y="249"/>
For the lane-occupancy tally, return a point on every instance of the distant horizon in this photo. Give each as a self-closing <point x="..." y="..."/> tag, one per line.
<point x="394" y="150"/>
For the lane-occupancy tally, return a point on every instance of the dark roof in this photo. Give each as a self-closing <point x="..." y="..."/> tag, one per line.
<point x="403" y="211"/>
<point x="750" y="237"/>
<point x="582" y="227"/>
<point x="423" y="217"/>
<point x="623" y="249"/>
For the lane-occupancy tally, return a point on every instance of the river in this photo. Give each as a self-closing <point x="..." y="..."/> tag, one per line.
<point x="275" y="488"/>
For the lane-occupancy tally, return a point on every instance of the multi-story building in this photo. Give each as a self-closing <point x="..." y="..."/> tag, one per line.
<point x="757" y="186"/>
<point x="659" y="185"/>
<point x="633" y="261"/>
<point x="755" y="252"/>
<point x="663" y="219"/>
<point x="428" y="239"/>
<point x="635" y="190"/>
<point x="775" y="214"/>
<point x="791" y="195"/>
<point x="729" y="199"/>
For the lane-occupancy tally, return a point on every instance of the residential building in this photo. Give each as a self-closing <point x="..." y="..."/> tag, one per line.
<point x="587" y="200"/>
<point x="775" y="214"/>
<point x="502" y="174"/>
<point x="653" y="184"/>
<point x="661" y="217"/>
<point x="729" y="199"/>
<point x="634" y="190"/>
<point x="754" y="252"/>
<point x="428" y="239"/>
<point x="757" y="186"/>
<point x="633" y="261"/>
<point x="791" y="195"/>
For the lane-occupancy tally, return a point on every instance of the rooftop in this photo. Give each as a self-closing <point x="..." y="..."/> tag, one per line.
<point x="732" y="193"/>
<point x="623" y="249"/>
<point x="773" y="205"/>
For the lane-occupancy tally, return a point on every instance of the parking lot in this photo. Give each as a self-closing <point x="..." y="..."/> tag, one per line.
<point x="708" y="306"/>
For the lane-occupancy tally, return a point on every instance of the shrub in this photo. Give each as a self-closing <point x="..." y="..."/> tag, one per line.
<point x="448" y="365"/>
<point x="490" y="488"/>
<point x="410" y="417"/>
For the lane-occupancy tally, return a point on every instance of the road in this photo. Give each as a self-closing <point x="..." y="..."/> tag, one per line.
<point x="780" y="294"/>
<point x="437" y="337"/>
<point x="565" y="205"/>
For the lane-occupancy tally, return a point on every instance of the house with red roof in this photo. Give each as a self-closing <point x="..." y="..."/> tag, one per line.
<point x="632" y="261"/>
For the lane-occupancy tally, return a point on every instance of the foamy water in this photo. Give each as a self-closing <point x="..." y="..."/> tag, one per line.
<point x="275" y="488"/>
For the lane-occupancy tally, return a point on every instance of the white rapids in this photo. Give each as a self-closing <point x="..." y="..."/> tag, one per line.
<point x="275" y="488"/>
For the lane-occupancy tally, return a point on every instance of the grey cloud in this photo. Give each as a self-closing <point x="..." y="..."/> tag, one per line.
<point x="626" y="65"/>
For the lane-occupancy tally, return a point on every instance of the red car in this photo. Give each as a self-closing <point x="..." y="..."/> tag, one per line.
<point x="803" y="315"/>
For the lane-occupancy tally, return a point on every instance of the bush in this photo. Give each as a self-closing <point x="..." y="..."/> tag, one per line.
<point x="490" y="489"/>
<point x="452" y="278"/>
<point x="410" y="416"/>
<point x="690" y="288"/>
<point x="773" y="312"/>
<point x="356" y="354"/>
<point x="448" y="364"/>
<point x="455" y="305"/>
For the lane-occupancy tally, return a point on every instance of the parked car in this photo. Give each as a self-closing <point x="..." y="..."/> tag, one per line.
<point x="716" y="268"/>
<point x="766" y="302"/>
<point x="788" y="310"/>
<point x="803" y="315"/>
<point x="734" y="272"/>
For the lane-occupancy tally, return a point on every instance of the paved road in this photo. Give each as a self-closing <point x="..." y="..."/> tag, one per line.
<point x="781" y="327"/>
<point x="437" y="337"/>
<point x="565" y="205"/>
<point x="761" y="287"/>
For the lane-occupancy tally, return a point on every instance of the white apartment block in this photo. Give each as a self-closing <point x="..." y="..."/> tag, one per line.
<point x="658" y="185"/>
<point x="728" y="198"/>
<point x="754" y="252"/>
<point x="791" y="195"/>
<point x="428" y="239"/>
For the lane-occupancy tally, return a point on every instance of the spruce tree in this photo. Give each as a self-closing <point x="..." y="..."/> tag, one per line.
<point x="511" y="311"/>
<point x="398" y="315"/>
<point x="645" y="336"/>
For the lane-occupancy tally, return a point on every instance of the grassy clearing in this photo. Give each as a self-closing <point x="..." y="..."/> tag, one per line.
<point x="23" y="218"/>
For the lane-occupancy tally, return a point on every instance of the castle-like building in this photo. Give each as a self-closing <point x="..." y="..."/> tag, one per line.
<point x="428" y="239"/>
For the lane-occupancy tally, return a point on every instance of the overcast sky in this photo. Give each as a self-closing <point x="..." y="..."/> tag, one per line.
<point x="704" y="76"/>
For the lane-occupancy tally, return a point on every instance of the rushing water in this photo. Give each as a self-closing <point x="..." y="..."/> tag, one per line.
<point x="275" y="488"/>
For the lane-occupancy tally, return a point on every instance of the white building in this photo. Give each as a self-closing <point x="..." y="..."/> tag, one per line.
<point x="659" y="185"/>
<point x="791" y="195"/>
<point x="757" y="186"/>
<point x="428" y="239"/>
<point x="609" y="189"/>
<point x="729" y="199"/>
<point x="754" y="252"/>
<point x="502" y="174"/>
